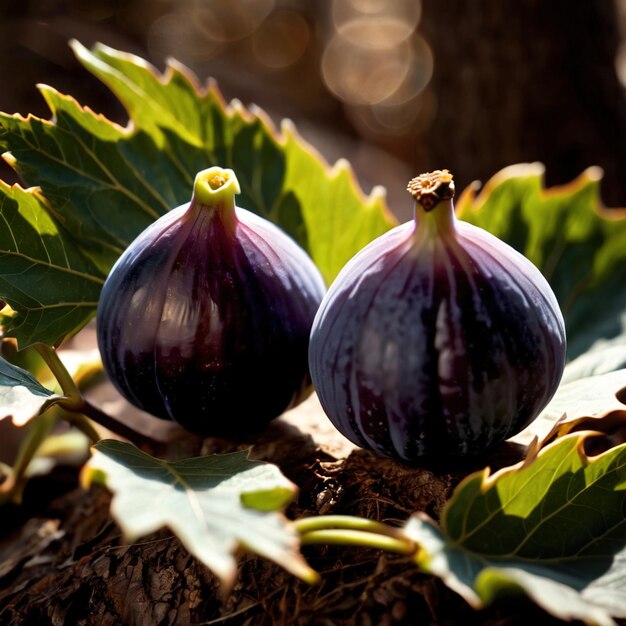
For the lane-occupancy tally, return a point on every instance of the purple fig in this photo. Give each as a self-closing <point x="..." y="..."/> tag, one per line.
<point x="205" y="318"/>
<point x="437" y="339"/>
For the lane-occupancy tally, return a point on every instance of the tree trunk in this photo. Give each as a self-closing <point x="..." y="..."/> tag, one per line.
<point x="527" y="81"/>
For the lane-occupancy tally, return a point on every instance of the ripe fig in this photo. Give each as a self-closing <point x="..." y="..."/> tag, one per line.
<point x="437" y="339"/>
<point x="205" y="318"/>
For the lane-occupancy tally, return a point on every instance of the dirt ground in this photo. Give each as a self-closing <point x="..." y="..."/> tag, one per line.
<point x="63" y="560"/>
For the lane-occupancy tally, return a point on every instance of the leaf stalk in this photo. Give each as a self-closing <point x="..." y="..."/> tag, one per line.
<point x="360" y="538"/>
<point x="66" y="382"/>
<point x="354" y="531"/>
<point x="38" y="430"/>
<point x="79" y="408"/>
<point x="351" y="522"/>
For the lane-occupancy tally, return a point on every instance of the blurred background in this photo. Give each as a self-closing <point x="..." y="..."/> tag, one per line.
<point x="395" y="86"/>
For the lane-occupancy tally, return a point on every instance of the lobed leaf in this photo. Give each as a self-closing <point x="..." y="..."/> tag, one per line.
<point x="102" y="184"/>
<point x="579" y="246"/>
<point x="22" y="396"/>
<point x="593" y="403"/>
<point x="44" y="275"/>
<point x="553" y="528"/>
<point x="214" y="504"/>
<point x="605" y="356"/>
<point x="281" y="176"/>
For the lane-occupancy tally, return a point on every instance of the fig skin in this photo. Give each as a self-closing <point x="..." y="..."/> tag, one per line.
<point x="205" y="318"/>
<point x="437" y="340"/>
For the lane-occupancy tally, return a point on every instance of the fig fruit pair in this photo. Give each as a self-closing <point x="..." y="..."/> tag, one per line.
<point x="436" y="339"/>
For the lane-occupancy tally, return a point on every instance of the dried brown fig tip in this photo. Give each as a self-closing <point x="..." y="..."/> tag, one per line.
<point x="437" y="340"/>
<point x="431" y="188"/>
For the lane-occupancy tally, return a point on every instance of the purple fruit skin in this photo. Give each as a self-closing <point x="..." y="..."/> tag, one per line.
<point x="209" y="327"/>
<point x="436" y="351"/>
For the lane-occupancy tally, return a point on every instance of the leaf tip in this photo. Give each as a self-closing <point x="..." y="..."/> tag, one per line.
<point x="76" y="46"/>
<point x="517" y="170"/>
<point x="9" y="159"/>
<point x="532" y="451"/>
<point x="340" y="166"/>
<point x="174" y="66"/>
<point x="287" y="126"/>
<point x="467" y="197"/>
<point x="378" y="193"/>
<point x="257" y="112"/>
<point x="305" y="572"/>
<point x="90" y="475"/>
<point x="268" y="499"/>
<point x="236" y="106"/>
<point x="50" y="94"/>
<point x="594" y="173"/>
<point x="487" y="478"/>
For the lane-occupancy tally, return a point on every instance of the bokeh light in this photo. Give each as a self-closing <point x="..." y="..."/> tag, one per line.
<point x="356" y="71"/>
<point x="377" y="64"/>
<point x="196" y="30"/>
<point x="420" y="71"/>
<point x="282" y="39"/>
<point x="380" y="33"/>
<point x="361" y="74"/>
<point x="230" y="20"/>
<point x="171" y="36"/>
<point x="406" y="11"/>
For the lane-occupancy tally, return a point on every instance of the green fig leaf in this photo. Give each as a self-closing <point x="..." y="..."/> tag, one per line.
<point x="282" y="178"/>
<point x="101" y="185"/>
<point x="578" y="245"/>
<point x="22" y="396"/>
<point x="553" y="527"/>
<point x="214" y="504"/>
<point x="593" y="403"/>
<point x="50" y="284"/>
<point x="604" y="356"/>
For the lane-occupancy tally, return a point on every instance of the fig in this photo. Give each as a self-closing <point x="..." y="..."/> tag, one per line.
<point x="437" y="339"/>
<point x="205" y="318"/>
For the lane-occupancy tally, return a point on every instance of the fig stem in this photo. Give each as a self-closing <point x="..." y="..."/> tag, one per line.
<point x="82" y="423"/>
<point x="434" y="209"/>
<point x="432" y="188"/>
<point x="114" y="425"/>
<point x="74" y="402"/>
<point x="215" y="185"/>
<point x="350" y="522"/>
<point x="354" y="531"/>
<point x="64" y="378"/>
<point x="38" y="429"/>
<point x="359" y="538"/>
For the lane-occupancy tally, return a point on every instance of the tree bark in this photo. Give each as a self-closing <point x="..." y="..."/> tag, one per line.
<point x="527" y="81"/>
